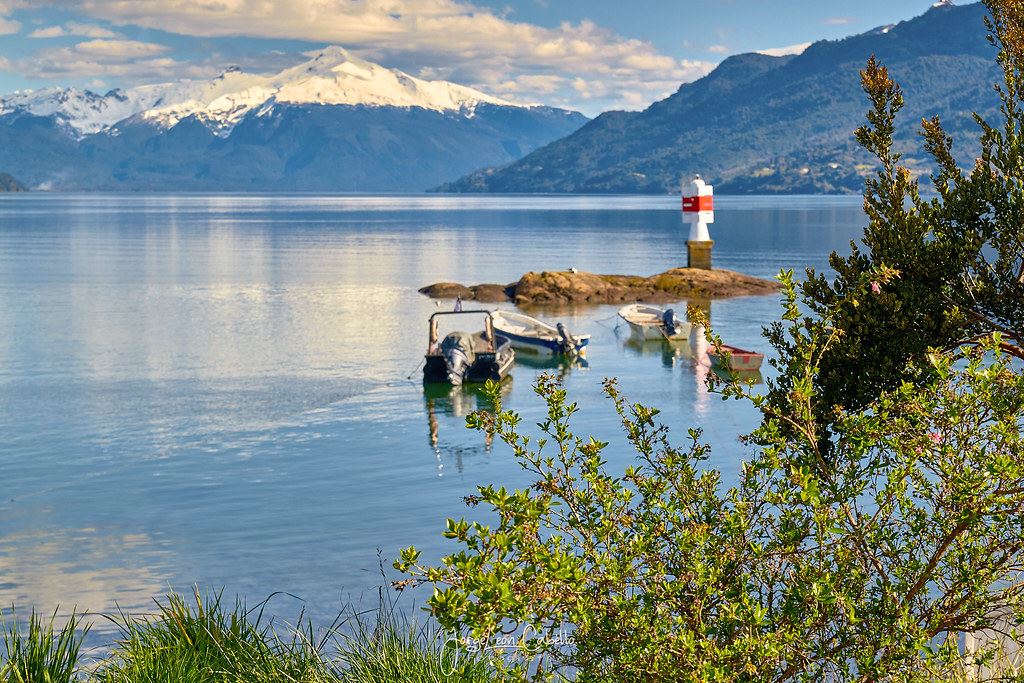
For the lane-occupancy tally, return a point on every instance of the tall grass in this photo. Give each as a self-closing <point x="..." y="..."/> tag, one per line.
<point x="43" y="654"/>
<point x="392" y="648"/>
<point x="200" y="639"/>
<point x="203" y="641"/>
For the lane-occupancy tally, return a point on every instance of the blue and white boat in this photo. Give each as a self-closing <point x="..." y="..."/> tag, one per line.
<point x="529" y="334"/>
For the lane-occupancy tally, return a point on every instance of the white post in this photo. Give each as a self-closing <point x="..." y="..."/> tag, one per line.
<point x="698" y="212"/>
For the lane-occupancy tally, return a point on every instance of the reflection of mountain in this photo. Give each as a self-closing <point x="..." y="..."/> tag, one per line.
<point x="79" y="569"/>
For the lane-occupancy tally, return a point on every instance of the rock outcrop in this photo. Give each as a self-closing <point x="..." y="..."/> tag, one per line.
<point x="565" y="287"/>
<point x="9" y="184"/>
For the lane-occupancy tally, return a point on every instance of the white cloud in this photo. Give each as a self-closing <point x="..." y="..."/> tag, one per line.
<point x="837" y="21"/>
<point x="788" y="50"/>
<point x="127" y="59"/>
<point x="718" y="49"/>
<point x="9" y="26"/>
<point x="73" y="28"/>
<point x="48" y="32"/>
<point x="119" y="49"/>
<point x="471" y="44"/>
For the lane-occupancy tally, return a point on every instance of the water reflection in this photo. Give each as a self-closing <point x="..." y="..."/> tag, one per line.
<point x="84" y="570"/>
<point x="742" y="376"/>
<point x="445" y="400"/>
<point x="559" y="366"/>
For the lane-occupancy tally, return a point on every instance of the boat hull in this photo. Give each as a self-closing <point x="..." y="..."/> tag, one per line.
<point x="739" y="360"/>
<point x="546" y="347"/>
<point x="648" y="322"/>
<point x="536" y="336"/>
<point x="656" y="331"/>
<point x="486" y="366"/>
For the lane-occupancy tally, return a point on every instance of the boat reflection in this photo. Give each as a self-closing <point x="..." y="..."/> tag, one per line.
<point x="743" y="376"/>
<point x="445" y="400"/>
<point x="560" y="366"/>
<point x="672" y="353"/>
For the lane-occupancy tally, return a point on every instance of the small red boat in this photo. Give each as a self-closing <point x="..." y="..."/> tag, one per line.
<point x="740" y="360"/>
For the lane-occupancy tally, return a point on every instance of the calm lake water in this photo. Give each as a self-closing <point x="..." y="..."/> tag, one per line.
<point x="213" y="389"/>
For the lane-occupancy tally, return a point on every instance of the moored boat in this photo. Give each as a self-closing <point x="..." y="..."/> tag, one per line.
<point x="651" y="322"/>
<point x="739" y="360"/>
<point x="529" y="334"/>
<point x="462" y="357"/>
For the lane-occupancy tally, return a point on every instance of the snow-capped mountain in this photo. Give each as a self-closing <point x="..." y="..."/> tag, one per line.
<point x="332" y="77"/>
<point x="332" y="123"/>
<point x="83" y="111"/>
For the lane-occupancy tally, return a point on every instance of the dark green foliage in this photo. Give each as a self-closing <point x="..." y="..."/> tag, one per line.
<point x="43" y="653"/>
<point x="772" y="124"/>
<point x="957" y="259"/>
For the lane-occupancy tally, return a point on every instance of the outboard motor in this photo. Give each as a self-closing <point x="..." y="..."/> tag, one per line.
<point x="668" y="319"/>
<point x="456" y="349"/>
<point x="457" y="366"/>
<point x="568" y="342"/>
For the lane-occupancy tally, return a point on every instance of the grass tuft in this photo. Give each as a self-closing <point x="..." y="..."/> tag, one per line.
<point x="202" y="641"/>
<point x="199" y="639"/>
<point x="394" y="649"/>
<point x="43" y="654"/>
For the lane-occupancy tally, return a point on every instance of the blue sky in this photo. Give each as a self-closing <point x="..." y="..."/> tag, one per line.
<point x="589" y="55"/>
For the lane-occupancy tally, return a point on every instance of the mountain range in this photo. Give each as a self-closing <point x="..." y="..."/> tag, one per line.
<point x="768" y="124"/>
<point x="333" y="123"/>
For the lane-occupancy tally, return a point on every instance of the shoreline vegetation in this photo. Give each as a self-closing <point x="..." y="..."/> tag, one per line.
<point x="569" y="287"/>
<point x="202" y="639"/>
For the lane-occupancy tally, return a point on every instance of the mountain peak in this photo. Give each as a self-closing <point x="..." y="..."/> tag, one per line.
<point x="332" y="53"/>
<point x="332" y="76"/>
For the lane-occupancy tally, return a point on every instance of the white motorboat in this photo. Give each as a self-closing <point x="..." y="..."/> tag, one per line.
<point x="528" y="333"/>
<point x="651" y="322"/>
